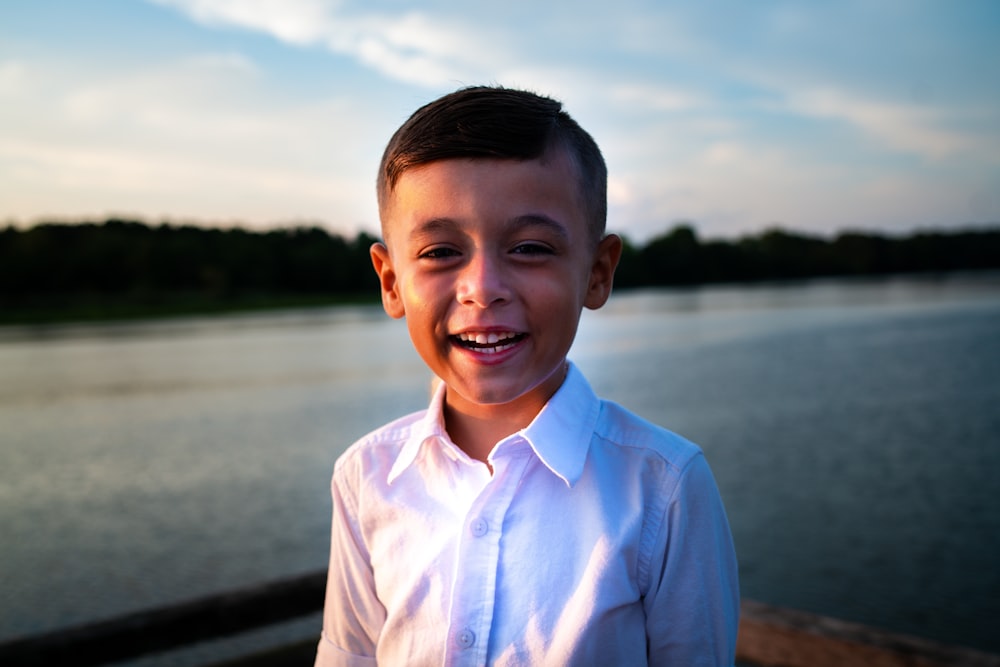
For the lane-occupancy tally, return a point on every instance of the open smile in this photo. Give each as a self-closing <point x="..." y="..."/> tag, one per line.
<point x="492" y="342"/>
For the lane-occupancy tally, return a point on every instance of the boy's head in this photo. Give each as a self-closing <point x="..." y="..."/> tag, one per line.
<point x="493" y="122"/>
<point x="493" y="209"/>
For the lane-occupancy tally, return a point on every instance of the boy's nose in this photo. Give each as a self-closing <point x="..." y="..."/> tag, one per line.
<point x="482" y="282"/>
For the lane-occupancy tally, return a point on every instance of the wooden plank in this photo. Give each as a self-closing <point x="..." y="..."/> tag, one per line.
<point x="777" y="637"/>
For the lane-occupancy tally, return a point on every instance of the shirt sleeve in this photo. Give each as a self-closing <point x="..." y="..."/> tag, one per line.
<point x="352" y="613"/>
<point x="692" y="602"/>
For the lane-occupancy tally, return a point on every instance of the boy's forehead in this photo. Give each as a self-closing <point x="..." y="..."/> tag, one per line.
<point x="436" y="188"/>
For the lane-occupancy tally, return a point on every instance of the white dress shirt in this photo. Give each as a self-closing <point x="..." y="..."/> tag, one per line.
<point x="599" y="539"/>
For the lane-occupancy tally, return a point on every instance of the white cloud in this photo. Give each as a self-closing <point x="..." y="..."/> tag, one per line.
<point x="402" y="64"/>
<point x="96" y="180"/>
<point x="908" y="128"/>
<point x="13" y="77"/>
<point x="409" y="47"/>
<point x="202" y="134"/>
<point x="655" y="97"/>
<point x="725" y="153"/>
<point x="300" y="22"/>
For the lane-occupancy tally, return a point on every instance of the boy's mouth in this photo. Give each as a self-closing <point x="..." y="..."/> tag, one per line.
<point x="488" y="342"/>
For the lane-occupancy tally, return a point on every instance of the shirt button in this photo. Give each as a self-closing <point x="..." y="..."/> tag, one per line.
<point x="466" y="638"/>
<point x="479" y="527"/>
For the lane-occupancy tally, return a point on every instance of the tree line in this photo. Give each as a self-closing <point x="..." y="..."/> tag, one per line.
<point x="679" y="257"/>
<point x="118" y="265"/>
<point x="127" y="268"/>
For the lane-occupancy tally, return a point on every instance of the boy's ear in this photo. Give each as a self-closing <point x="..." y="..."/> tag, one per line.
<point x="391" y="300"/>
<point x="602" y="271"/>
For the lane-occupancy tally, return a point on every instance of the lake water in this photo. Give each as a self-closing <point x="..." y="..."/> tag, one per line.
<point x="853" y="427"/>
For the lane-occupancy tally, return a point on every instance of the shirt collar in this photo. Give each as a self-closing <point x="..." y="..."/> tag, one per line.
<point x="559" y="435"/>
<point x="430" y="426"/>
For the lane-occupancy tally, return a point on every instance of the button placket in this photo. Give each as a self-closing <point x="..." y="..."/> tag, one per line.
<point x="474" y="592"/>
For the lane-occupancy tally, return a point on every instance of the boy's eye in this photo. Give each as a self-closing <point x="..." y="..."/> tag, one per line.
<point x="440" y="252"/>
<point x="532" y="249"/>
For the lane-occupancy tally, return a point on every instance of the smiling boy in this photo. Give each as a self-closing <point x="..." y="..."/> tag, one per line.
<point x="519" y="520"/>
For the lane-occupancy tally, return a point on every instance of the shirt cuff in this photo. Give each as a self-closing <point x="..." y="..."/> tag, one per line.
<point x="329" y="655"/>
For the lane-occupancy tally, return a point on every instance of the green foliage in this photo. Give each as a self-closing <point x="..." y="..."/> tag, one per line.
<point x="680" y="258"/>
<point x="124" y="267"/>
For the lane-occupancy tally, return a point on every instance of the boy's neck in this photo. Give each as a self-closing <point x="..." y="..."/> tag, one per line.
<point x="476" y="428"/>
<point x="477" y="432"/>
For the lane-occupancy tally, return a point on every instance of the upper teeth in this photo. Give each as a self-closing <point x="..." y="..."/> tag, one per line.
<point x="486" y="338"/>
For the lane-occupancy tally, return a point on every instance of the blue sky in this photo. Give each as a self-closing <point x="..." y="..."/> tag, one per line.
<point x="735" y="116"/>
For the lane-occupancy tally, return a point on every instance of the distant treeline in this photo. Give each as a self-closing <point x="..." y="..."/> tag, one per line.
<point x="122" y="264"/>
<point x="124" y="268"/>
<point x="678" y="257"/>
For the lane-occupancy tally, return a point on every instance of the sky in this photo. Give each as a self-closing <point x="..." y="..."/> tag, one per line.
<point x="731" y="116"/>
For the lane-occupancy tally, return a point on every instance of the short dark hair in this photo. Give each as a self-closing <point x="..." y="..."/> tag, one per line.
<point x="496" y="122"/>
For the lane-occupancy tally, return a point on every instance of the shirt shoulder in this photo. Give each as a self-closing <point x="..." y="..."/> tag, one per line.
<point x="633" y="435"/>
<point x="376" y="452"/>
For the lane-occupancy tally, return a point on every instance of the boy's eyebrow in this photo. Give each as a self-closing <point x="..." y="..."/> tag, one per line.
<point x="539" y="220"/>
<point x="518" y="223"/>
<point x="433" y="225"/>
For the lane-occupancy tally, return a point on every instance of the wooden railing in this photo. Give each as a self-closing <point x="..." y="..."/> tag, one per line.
<point x="169" y="628"/>
<point x="769" y="636"/>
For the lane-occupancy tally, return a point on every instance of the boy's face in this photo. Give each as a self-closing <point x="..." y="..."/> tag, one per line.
<point x="491" y="262"/>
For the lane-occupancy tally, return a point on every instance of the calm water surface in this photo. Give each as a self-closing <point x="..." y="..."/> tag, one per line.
<point x="853" y="427"/>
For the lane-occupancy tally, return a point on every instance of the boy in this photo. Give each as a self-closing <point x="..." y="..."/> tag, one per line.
<point x="519" y="520"/>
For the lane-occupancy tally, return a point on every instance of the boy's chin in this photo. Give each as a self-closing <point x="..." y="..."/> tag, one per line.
<point x="485" y="394"/>
<point x="498" y="392"/>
